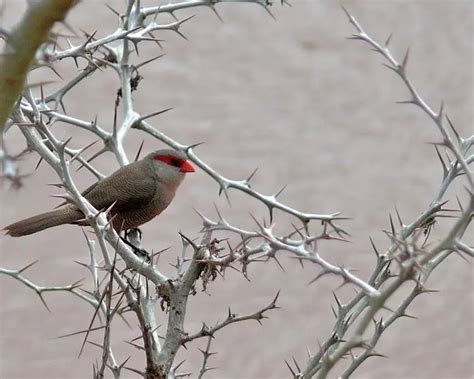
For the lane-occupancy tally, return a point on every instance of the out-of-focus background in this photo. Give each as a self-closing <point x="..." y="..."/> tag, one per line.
<point x="312" y="110"/>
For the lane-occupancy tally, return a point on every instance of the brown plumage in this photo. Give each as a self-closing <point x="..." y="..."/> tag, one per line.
<point x="140" y="190"/>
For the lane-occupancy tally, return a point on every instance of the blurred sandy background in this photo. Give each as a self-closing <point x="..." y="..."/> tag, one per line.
<point x="311" y="109"/>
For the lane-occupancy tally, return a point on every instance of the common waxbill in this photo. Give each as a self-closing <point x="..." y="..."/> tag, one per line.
<point x="140" y="191"/>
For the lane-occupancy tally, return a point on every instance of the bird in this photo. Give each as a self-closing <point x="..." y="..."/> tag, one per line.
<point x="135" y="194"/>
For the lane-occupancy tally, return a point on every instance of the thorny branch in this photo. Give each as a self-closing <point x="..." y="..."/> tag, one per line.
<point x="21" y="44"/>
<point x="143" y="287"/>
<point x="36" y="117"/>
<point x="304" y="248"/>
<point x="73" y="288"/>
<point x="413" y="258"/>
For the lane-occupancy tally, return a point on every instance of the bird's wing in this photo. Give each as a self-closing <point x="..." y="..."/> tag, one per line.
<point x="89" y="189"/>
<point x="84" y="193"/>
<point x="130" y="187"/>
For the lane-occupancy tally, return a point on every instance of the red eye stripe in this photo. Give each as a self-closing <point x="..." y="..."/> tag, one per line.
<point x="182" y="164"/>
<point x="172" y="161"/>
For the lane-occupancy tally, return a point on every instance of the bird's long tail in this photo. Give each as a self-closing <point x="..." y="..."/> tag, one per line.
<point x="43" y="221"/>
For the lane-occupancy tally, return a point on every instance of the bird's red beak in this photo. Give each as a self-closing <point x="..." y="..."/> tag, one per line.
<point x="187" y="167"/>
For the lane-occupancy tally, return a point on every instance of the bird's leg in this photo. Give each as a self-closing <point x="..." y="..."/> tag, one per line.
<point x="134" y="235"/>
<point x="132" y="238"/>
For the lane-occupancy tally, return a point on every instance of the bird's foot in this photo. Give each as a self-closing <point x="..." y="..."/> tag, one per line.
<point x="132" y="238"/>
<point x="134" y="235"/>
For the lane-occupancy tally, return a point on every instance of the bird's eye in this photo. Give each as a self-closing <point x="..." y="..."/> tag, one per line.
<point x="175" y="162"/>
<point x="172" y="161"/>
